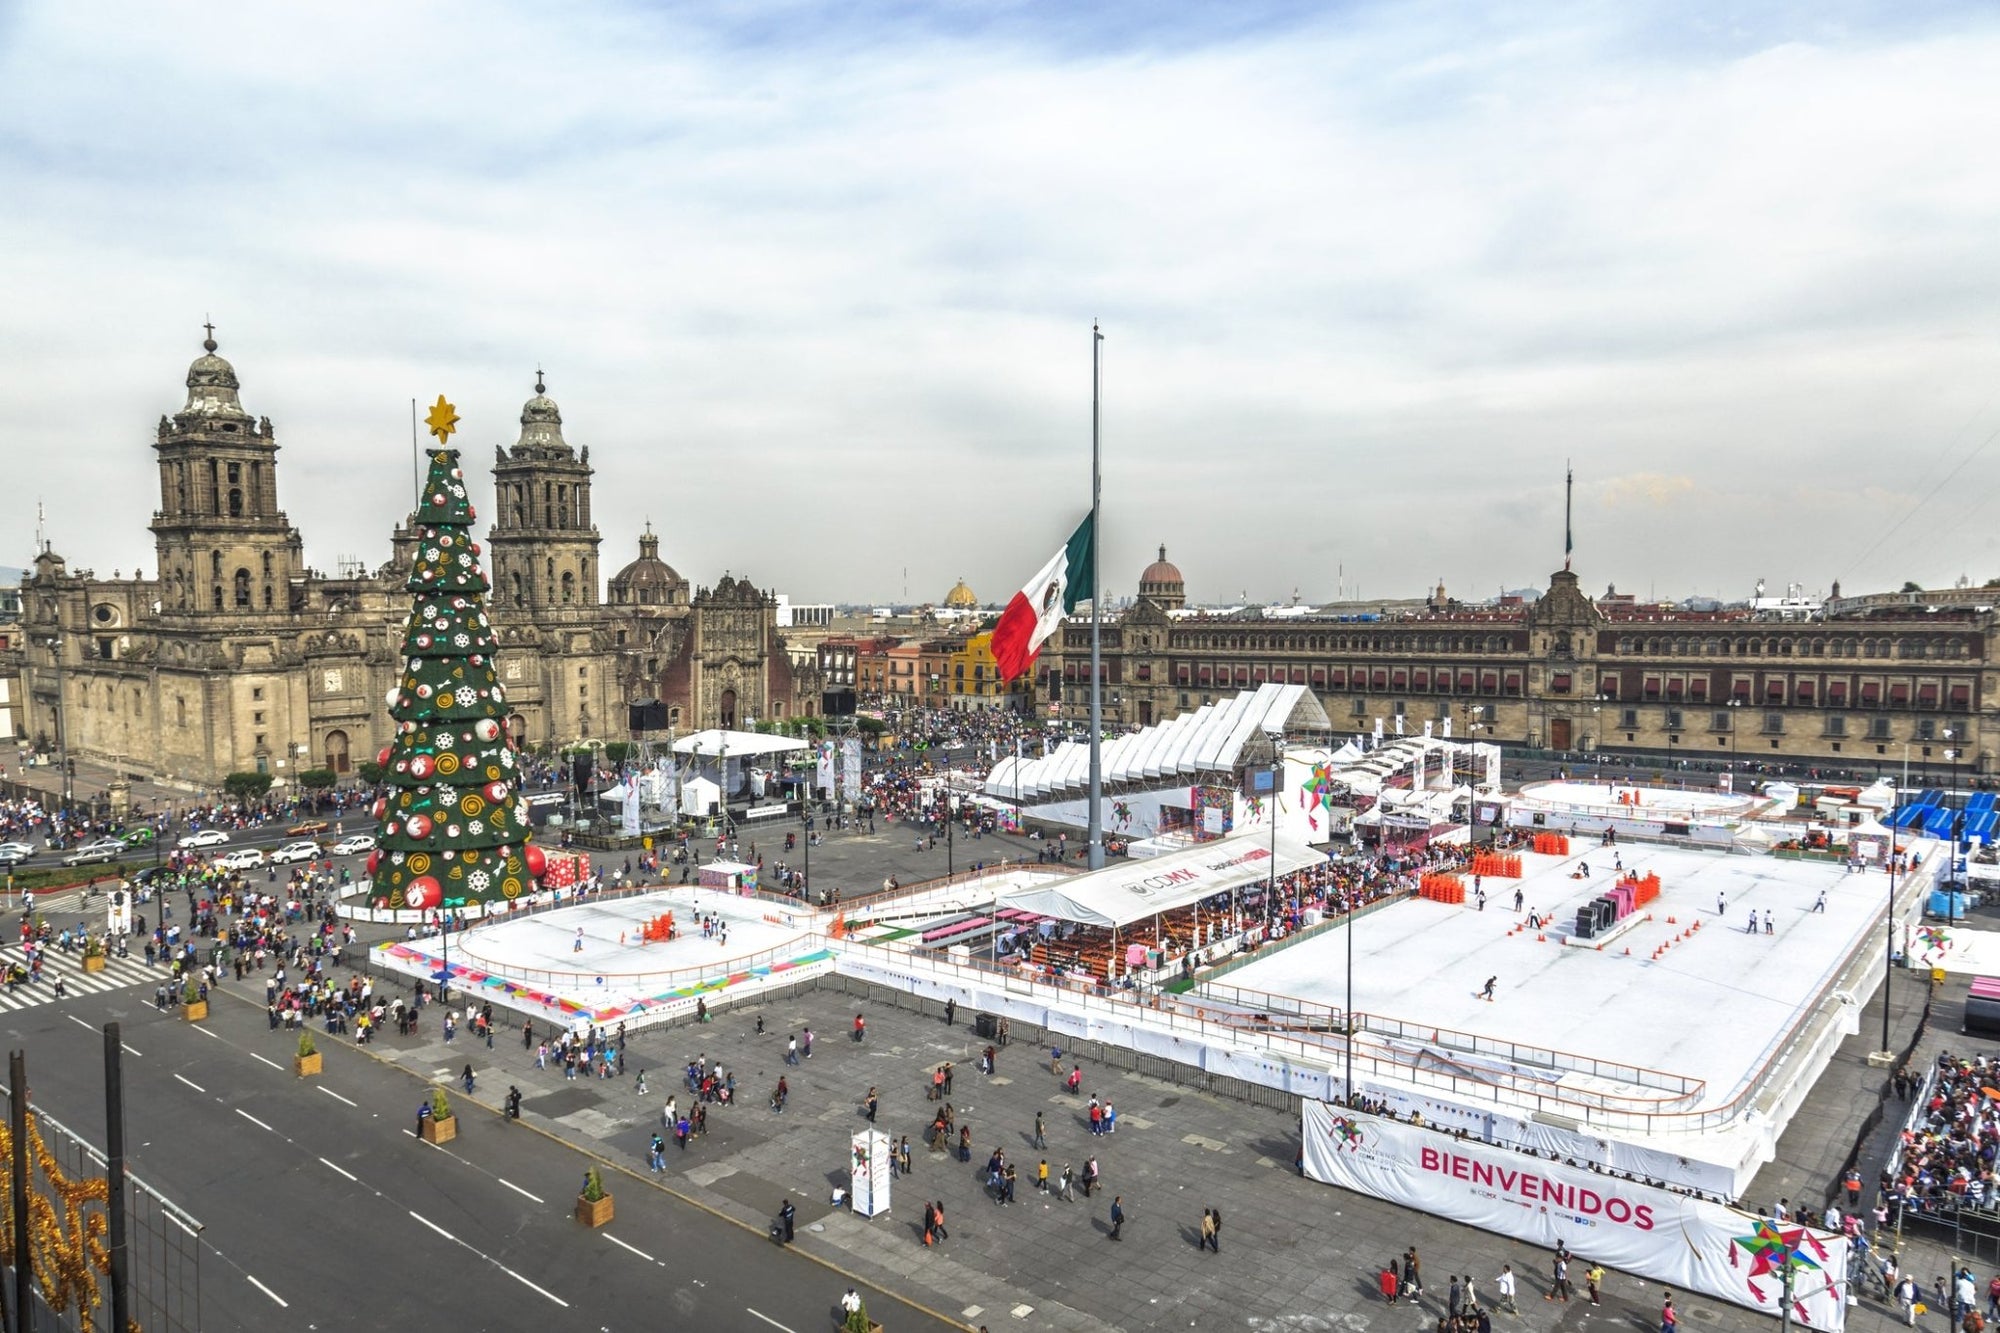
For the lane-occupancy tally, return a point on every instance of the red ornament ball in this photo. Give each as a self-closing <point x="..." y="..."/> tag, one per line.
<point x="419" y="826"/>
<point x="537" y="860"/>
<point x="422" y="766"/>
<point x="380" y="806"/>
<point x="374" y="859"/>
<point x="422" y="892"/>
<point x="496" y="792"/>
<point x="383" y="758"/>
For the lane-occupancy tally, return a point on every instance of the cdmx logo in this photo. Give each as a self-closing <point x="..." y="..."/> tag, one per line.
<point x="1347" y="1133"/>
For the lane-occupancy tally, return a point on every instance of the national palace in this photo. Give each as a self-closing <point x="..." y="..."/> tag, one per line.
<point x="1861" y="683"/>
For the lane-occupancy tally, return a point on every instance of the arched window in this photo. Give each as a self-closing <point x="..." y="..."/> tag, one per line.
<point x="520" y="589"/>
<point x="267" y="597"/>
<point x="180" y="711"/>
<point x="568" y="587"/>
<point x="218" y="596"/>
<point x="235" y="502"/>
<point x="215" y="564"/>
<point x="243" y="589"/>
<point x="267" y="564"/>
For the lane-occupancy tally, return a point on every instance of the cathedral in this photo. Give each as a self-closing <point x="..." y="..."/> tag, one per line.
<point x="238" y="657"/>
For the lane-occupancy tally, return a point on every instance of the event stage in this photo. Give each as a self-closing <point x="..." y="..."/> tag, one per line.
<point x="1618" y="1039"/>
<point x="591" y="962"/>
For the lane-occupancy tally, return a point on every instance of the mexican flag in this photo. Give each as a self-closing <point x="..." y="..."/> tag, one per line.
<point x="1034" y="612"/>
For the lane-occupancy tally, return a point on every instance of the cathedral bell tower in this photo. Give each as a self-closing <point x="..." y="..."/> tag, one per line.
<point x="544" y="543"/>
<point x="224" y="546"/>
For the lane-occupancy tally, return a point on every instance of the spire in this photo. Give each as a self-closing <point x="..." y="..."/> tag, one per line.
<point x="208" y="326"/>
<point x="539" y="386"/>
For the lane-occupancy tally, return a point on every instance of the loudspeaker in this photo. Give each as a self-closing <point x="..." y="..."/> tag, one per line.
<point x="646" y="715"/>
<point x="580" y="768"/>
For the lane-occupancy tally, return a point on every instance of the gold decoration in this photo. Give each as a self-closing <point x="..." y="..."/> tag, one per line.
<point x="471" y="806"/>
<point x="447" y="763"/>
<point x="419" y="862"/>
<point x="65" y="1253"/>
<point x="511" y="887"/>
<point x="443" y="420"/>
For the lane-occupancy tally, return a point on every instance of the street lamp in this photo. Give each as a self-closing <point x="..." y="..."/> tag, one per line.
<point x="1277" y="785"/>
<point x="1735" y="704"/>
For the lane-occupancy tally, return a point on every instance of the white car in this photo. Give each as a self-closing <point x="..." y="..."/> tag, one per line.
<point x="208" y="837"/>
<point x="15" y="851"/>
<point x="243" y="858"/>
<point x="296" y="851"/>
<point x="353" y="844"/>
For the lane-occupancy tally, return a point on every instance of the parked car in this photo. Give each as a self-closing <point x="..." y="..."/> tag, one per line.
<point x="243" y="858"/>
<point x="305" y="828"/>
<point x="208" y="837"/>
<point x="14" y="852"/>
<point x="354" y="843"/>
<point x="138" y="836"/>
<point x="103" y="849"/>
<point x="296" y="851"/>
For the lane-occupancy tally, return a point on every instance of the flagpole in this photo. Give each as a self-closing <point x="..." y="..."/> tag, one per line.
<point x="1096" y="831"/>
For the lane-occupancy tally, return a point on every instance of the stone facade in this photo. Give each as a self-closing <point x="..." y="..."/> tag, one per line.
<point x="1861" y="687"/>
<point x="240" y="657"/>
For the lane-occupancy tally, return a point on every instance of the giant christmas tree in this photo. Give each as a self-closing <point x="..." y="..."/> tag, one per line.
<point x="451" y="829"/>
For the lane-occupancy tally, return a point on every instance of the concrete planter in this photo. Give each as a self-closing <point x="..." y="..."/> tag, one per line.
<point x="593" y="1212"/>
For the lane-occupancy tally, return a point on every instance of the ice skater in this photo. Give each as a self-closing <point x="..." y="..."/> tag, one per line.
<point x="1721" y="904"/>
<point x="1767" y="921"/>
<point x="1520" y="898"/>
<point x="1486" y="992"/>
<point x="1820" y="906"/>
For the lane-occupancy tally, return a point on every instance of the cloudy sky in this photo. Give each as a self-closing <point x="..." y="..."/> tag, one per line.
<point x="816" y="281"/>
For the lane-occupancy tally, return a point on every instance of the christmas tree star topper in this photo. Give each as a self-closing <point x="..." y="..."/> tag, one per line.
<point x="443" y="419"/>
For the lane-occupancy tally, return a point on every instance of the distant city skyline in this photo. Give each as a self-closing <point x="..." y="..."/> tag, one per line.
<point x="816" y="285"/>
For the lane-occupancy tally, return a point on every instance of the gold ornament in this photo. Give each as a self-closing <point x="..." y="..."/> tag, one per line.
<point x="419" y="862"/>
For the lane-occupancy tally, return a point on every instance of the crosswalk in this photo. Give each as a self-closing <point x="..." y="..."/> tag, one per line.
<point x="118" y="974"/>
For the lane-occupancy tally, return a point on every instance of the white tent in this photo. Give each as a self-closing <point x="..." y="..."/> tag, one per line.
<point x="1134" y="891"/>
<point x="716" y="744"/>
<point x="699" y="797"/>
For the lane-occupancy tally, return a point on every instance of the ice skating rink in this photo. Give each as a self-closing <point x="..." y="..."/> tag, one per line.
<point x="1716" y="1006"/>
<point x="593" y="962"/>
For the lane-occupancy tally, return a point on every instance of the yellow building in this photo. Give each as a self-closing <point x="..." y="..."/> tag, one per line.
<point x="972" y="677"/>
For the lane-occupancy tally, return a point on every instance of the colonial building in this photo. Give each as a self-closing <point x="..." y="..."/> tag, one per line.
<point x="1863" y="685"/>
<point x="238" y="656"/>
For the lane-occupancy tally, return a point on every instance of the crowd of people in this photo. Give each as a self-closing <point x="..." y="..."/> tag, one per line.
<point x="1945" y="1157"/>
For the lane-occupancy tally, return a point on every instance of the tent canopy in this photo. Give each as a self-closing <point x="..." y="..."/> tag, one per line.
<point x="715" y="744"/>
<point x="1135" y="890"/>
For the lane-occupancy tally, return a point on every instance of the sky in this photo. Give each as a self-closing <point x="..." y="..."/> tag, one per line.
<point x="816" y="282"/>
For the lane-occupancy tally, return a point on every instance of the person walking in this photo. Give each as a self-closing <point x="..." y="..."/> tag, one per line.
<point x="873" y="1100"/>
<point x="1504" y="1285"/>
<point x="792" y="1051"/>
<point x="1041" y="1138"/>
<point x="1593" y="1279"/>
<point x="1117" y="1215"/>
<point x="1669" y="1321"/>
<point x="788" y="1215"/>
<point x="1413" y="1272"/>
<point x="1721" y="904"/>
<point x="1215" y="1230"/>
<point x="951" y="1013"/>
<point x="860" y="1029"/>
<point x="1559" y="1289"/>
<point x="1454" y="1300"/>
<point x="1387" y="1281"/>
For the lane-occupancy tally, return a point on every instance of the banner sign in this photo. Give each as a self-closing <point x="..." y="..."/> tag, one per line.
<point x="1688" y="1243"/>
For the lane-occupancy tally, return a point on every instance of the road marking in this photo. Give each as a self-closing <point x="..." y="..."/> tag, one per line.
<point x="192" y="1084"/>
<point x="78" y="1021"/>
<point x="205" y="1032"/>
<point x="343" y="1171"/>
<point x="283" y="1304"/>
<point x="532" y="1287"/>
<point x="518" y="1190"/>
<point x="623" y="1246"/>
<point x="273" y="1063"/>
<point x="767" y="1319"/>
<point x="127" y="1049"/>
<point x="254" y="1120"/>
<point x="336" y="1096"/>
<point x="435" y="1227"/>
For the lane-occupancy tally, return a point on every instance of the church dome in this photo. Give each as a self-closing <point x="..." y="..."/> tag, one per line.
<point x="1162" y="584"/>
<point x="541" y="422"/>
<point x="649" y="580"/>
<point x="212" y="385"/>
<point x="961" y="598"/>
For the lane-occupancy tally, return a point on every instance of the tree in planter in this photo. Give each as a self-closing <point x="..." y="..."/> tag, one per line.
<point x="857" y="1319"/>
<point x="440" y="1105"/>
<point x="307" y="1047"/>
<point x="593" y="1186"/>
<point x="247" y="787"/>
<point x="452" y="830"/>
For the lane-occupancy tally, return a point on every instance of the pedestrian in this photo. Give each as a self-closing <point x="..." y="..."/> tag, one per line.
<point x="465" y="1077"/>
<point x="1117" y="1215"/>
<point x="1559" y="1289"/>
<point x="789" y="1216"/>
<point x="951" y="1013"/>
<point x="1504" y="1284"/>
<point x="1906" y="1299"/>
<point x="860" y="1029"/>
<point x="1042" y="1176"/>
<point x="872" y="1103"/>
<point x="1593" y="1279"/>
<point x="1669" y="1321"/>
<point x="1041" y="1138"/>
<point x="1413" y="1272"/>
<point x="1767" y="921"/>
<point x="1820" y="905"/>
<point x="1721" y="904"/>
<point x="1387" y="1280"/>
<point x="1454" y="1301"/>
<point x="930" y="1226"/>
<point x="528" y="1035"/>
<point x="1852" y="1183"/>
<point x="792" y="1051"/>
<point x="806" y="1048"/>
<point x="1215" y="1230"/>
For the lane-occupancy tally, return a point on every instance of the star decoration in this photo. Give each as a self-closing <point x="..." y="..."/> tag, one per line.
<point x="1773" y="1250"/>
<point x="443" y="419"/>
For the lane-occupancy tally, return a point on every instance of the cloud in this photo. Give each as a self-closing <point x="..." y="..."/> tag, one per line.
<point x="816" y="283"/>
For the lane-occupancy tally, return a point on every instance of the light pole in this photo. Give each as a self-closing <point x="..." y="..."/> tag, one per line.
<point x="1732" y="705"/>
<point x="1277" y="784"/>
